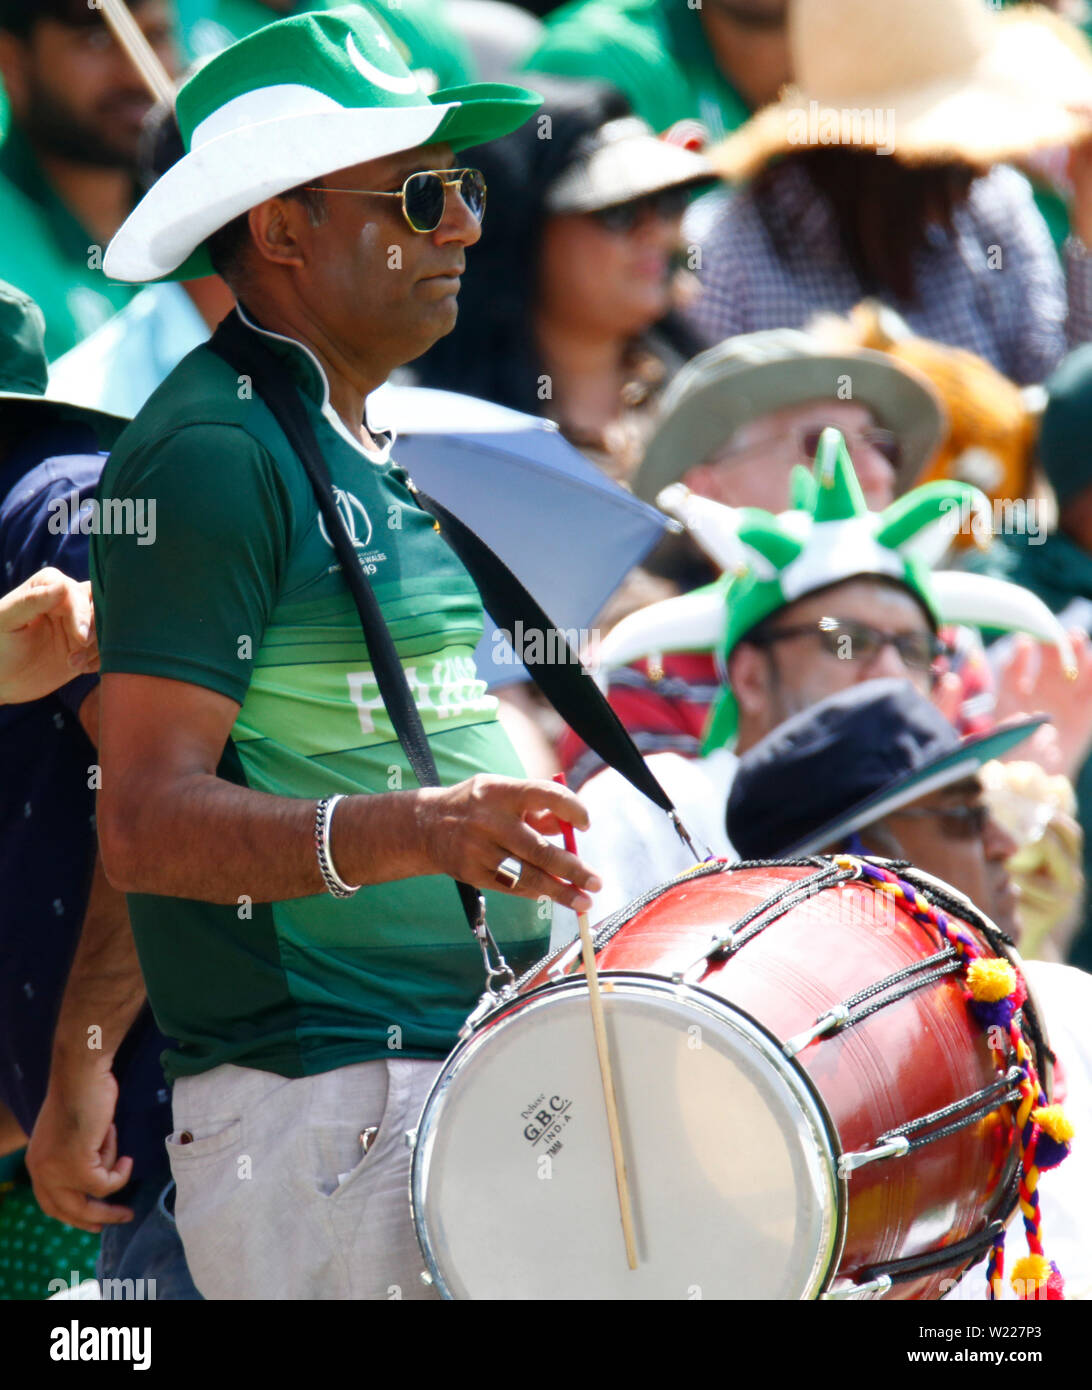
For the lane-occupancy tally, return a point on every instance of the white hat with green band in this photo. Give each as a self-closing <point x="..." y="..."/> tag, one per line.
<point x="828" y="537"/>
<point x="289" y="103"/>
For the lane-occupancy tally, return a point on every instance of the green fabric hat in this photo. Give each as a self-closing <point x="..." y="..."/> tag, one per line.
<point x="800" y="552"/>
<point x="24" y="374"/>
<point x="829" y="537"/>
<point x="290" y="103"/>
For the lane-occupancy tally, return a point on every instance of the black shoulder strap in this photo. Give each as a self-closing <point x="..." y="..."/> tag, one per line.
<point x="565" y="684"/>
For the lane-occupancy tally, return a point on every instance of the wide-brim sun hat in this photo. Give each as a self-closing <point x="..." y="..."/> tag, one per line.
<point x="621" y="161"/>
<point x="926" y="80"/>
<point x="24" y="375"/>
<point x="290" y="103"/>
<point x="753" y="374"/>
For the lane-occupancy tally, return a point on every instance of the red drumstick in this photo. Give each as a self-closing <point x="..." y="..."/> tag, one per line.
<point x="600" y="1028"/>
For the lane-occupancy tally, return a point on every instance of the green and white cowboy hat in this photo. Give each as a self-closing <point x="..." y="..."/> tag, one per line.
<point x="829" y="537"/>
<point x="290" y="103"/>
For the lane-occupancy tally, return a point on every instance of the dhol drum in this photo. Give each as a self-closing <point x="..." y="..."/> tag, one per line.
<point x="808" y="1107"/>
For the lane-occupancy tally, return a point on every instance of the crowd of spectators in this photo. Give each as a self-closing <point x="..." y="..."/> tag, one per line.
<point x="731" y="227"/>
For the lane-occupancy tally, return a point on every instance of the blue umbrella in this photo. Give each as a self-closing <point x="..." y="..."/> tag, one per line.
<point x="562" y="526"/>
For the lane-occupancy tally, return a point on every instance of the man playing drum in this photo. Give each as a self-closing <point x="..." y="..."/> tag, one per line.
<point x="286" y="874"/>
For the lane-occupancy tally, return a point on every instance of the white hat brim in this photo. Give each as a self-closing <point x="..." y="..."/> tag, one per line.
<point x="228" y="175"/>
<point x="618" y="173"/>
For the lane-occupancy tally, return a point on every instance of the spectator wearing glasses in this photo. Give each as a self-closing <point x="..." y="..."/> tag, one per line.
<point x="569" y="307"/>
<point x="811" y="602"/>
<point x="732" y="426"/>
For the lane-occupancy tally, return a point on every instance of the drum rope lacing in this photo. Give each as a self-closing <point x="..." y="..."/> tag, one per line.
<point x="984" y="1102"/>
<point x="995" y="995"/>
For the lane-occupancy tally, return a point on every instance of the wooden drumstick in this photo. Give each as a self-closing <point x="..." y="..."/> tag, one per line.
<point x="140" y="52"/>
<point x="599" y="1027"/>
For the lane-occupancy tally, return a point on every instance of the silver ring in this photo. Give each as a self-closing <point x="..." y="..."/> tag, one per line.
<point x="509" y="872"/>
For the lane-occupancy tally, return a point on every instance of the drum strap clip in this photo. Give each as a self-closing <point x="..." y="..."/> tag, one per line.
<point x="894" y="1148"/>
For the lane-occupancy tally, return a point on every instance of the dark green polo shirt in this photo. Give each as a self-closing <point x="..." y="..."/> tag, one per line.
<point x="241" y="592"/>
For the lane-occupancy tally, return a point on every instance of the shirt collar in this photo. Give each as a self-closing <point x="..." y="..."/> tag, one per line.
<point x="311" y="378"/>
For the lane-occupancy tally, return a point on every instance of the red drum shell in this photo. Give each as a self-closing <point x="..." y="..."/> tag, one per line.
<point x="908" y="1059"/>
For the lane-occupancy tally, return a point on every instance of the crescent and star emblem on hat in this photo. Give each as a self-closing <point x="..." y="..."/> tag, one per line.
<point x="388" y="81"/>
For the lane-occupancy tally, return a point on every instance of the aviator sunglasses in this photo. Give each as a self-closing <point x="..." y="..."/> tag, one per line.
<point x="424" y="195"/>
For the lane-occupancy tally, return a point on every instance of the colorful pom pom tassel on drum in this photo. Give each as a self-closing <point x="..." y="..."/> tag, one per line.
<point x="1055" y="1132"/>
<point x="1036" y="1277"/>
<point x="995" y="991"/>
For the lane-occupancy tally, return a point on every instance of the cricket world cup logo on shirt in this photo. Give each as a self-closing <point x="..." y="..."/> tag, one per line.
<point x="354" y="516"/>
<point x="358" y="525"/>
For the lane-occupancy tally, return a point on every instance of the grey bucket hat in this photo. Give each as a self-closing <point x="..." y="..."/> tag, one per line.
<point x="753" y="374"/>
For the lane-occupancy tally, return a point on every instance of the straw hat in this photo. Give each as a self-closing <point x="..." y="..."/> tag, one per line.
<point x="926" y="80"/>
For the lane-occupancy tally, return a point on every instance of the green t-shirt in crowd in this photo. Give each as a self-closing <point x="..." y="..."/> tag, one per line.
<point x="45" y="252"/>
<point x="427" y="41"/>
<point x="654" y="51"/>
<point x="238" y="590"/>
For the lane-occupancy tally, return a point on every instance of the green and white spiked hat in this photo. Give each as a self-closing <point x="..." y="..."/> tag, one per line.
<point x="829" y="537"/>
<point x="290" y="103"/>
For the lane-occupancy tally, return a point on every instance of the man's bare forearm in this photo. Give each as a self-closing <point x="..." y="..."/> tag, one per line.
<point x="105" y="989"/>
<point x="204" y="838"/>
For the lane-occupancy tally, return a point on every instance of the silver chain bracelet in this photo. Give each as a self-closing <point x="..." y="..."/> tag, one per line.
<point x="324" y="816"/>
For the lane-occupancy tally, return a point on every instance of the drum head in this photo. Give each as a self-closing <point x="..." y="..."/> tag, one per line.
<point x="728" y="1153"/>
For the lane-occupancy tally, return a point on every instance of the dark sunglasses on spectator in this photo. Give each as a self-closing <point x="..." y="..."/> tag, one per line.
<point x="853" y="641"/>
<point x="424" y="195"/>
<point x="957" y="822"/>
<point x="623" y="217"/>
